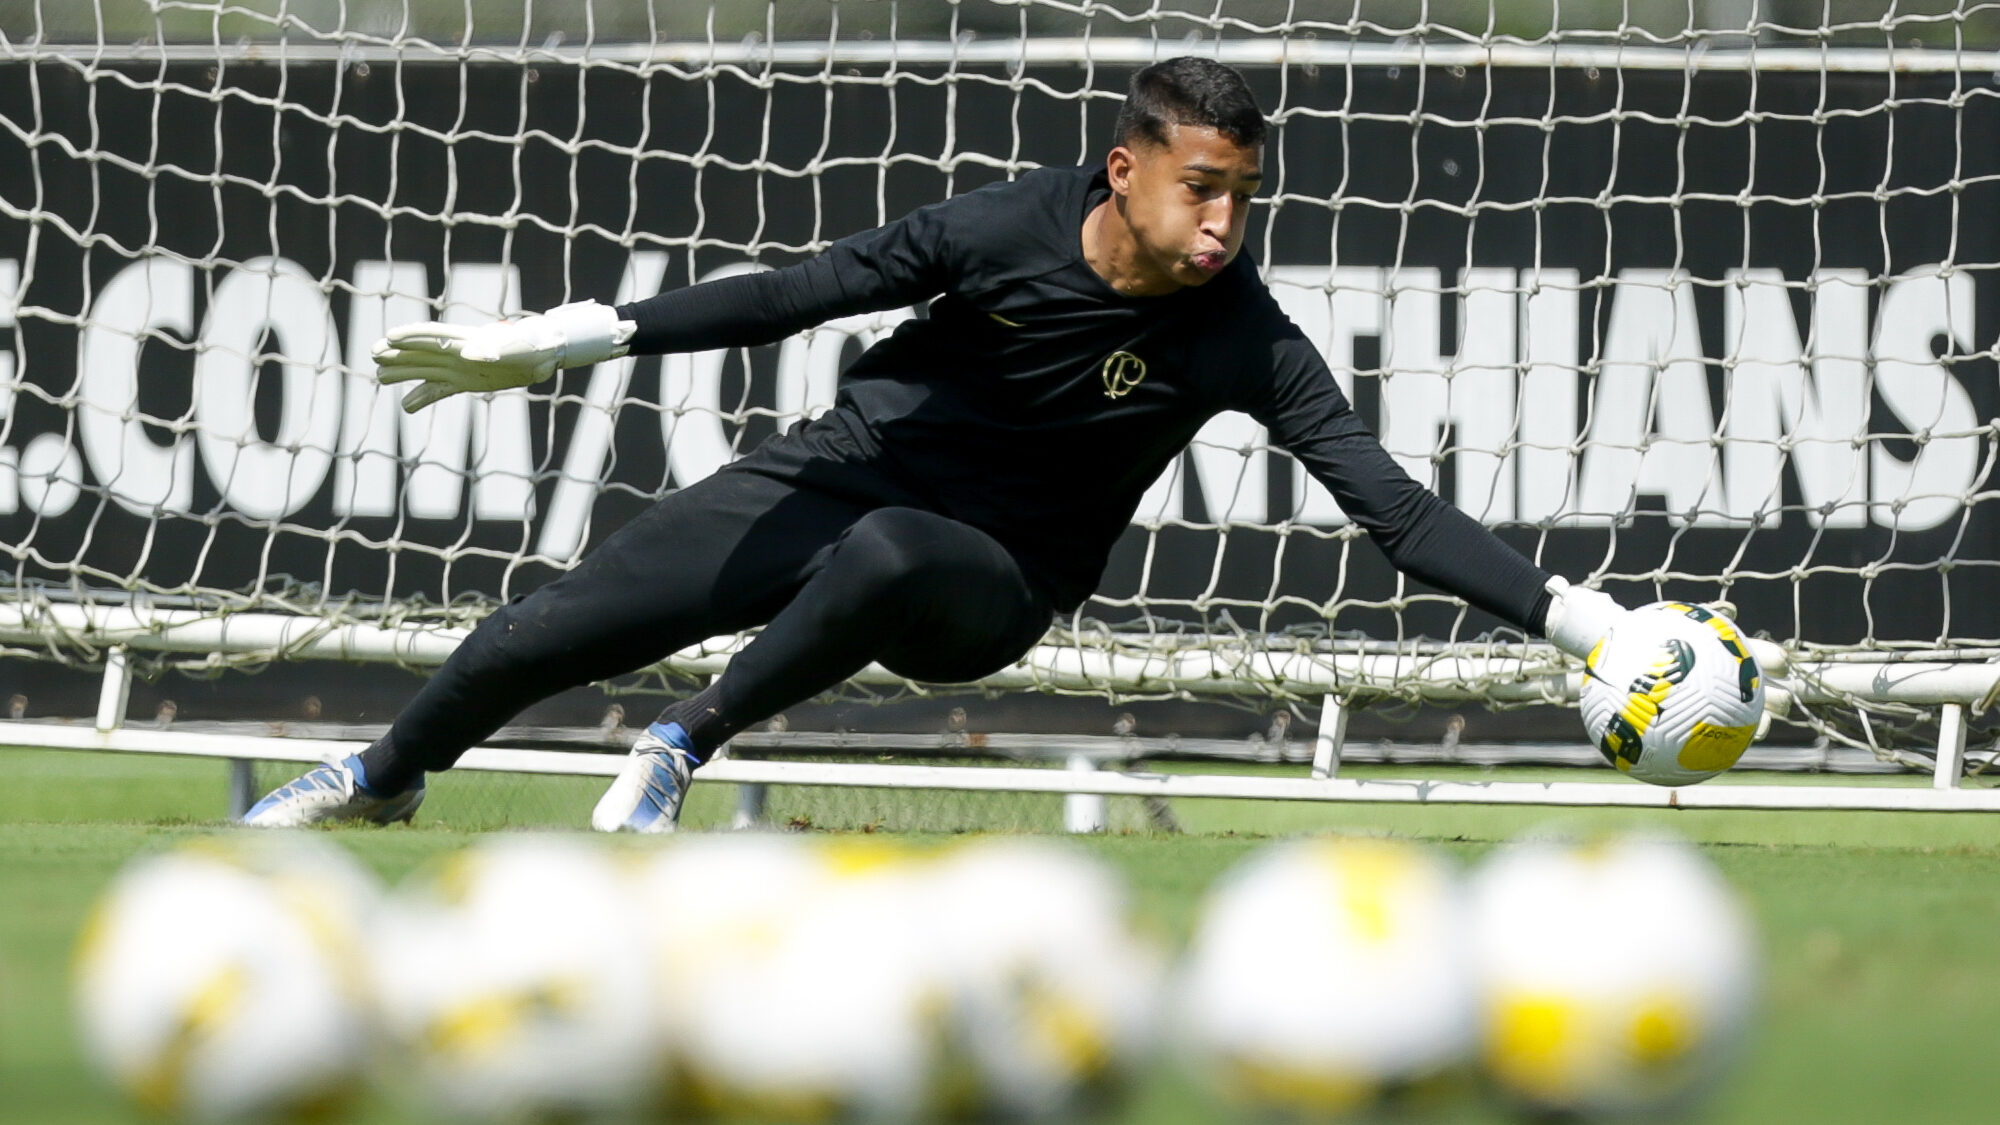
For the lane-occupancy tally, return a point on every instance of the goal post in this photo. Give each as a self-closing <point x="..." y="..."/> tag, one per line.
<point x="1704" y="314"/>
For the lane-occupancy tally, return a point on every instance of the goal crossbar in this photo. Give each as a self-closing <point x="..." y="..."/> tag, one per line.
<point x="1049" y="51"/>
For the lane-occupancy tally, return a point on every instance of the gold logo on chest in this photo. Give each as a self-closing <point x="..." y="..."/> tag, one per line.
<point x="1122" y="372"/>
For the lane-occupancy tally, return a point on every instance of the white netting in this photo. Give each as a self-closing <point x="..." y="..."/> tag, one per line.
<point x="1688" y="301"/>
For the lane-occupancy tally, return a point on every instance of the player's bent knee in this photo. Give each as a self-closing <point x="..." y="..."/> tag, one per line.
<point x="956" y="668"/>
<point x="950" y="605"/>
<point x="949" y="657"/>
<point x="898" y="550"/>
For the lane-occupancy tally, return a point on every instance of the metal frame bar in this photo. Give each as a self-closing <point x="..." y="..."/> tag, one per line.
<point x="1951" y="747"/>
<point x="115" y="692"/>
<point x="1331" y="738"/>
<point x="1084" y="813"/>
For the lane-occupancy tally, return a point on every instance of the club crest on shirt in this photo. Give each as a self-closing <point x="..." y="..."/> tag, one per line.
<point x="1122" y="372"/>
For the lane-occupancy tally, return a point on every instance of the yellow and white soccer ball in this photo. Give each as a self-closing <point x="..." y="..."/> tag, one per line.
<point x="1325" y="972"/>
<point x="800" y="978"/>
<point x="1672" y="695"/>
<point x="1052" y="994"/>
<point x="1614" y="978"/>
<point x="514" y="983"/>
<point x="712" y="905"/>
<point x="217" y="982"/>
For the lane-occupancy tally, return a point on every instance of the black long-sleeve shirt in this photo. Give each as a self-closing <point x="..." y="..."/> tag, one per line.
<point x="1038" y="404"/>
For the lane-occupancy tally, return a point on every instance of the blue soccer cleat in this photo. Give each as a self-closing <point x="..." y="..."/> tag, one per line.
<point x="334" y="791"/>
<point x="647" y="794"/>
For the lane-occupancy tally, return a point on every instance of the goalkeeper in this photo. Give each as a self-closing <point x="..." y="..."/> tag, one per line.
<point x="970" y="480"/>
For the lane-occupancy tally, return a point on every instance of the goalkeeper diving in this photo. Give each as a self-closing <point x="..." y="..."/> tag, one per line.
<point x="968" y="483"/>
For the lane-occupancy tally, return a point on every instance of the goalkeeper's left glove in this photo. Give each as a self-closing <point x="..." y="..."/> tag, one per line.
<point x="448" y="359"/>
<point x="1579" y="617"/>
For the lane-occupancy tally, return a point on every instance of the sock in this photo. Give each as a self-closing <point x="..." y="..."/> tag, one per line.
<point x="381" y="771"/>
<point x="699" y="723"/>
<point x="676" y="736"/>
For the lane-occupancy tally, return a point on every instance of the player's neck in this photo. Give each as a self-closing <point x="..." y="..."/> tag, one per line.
<point x="1111" y="250"/>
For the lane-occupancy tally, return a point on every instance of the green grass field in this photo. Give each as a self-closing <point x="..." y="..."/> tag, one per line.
<point x="1881" y="1003"/>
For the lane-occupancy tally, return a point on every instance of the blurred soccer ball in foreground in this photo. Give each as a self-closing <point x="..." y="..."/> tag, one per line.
<point x="514" y="984"/>
<point x="700" y="898"/>
<point x="1324" y="972"/>
<point x="806" y="998"/>
<point x="1051" y="994"/>
<point x="1615" y="978"/>
<point x="1672" y="696"/>
<point x="215" y="982"/>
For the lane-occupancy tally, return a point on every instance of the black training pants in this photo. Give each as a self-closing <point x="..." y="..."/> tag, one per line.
<point x="807" y="536"/>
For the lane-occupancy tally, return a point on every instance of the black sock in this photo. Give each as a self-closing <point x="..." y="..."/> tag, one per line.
<point x="385" y="772"/>
<point x="701" y="716"/>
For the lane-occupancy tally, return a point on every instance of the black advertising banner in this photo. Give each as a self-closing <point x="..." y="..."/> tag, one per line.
<point x="1717" y="334"/>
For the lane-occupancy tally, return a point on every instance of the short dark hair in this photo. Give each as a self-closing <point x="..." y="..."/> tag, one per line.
<point x="1189" y="91"/>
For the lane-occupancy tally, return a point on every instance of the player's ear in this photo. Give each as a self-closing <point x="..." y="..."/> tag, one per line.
<point x="1118" y="169"/>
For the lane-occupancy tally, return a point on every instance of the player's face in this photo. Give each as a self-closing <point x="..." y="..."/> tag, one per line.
<point x="1187" y="202"/>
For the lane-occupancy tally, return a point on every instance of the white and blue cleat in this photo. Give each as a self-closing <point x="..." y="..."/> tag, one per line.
<point x="647" y="794"/>
<point x="329" y="792"/>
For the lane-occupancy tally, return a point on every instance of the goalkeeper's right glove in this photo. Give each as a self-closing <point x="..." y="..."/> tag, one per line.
<point x="447" y="359"/>
<point x="1579" y="617"/>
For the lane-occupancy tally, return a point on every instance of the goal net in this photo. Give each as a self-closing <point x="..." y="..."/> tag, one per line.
<point x="1692" y="306"/>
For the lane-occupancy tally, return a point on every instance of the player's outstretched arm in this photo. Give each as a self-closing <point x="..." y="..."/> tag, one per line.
<point x="448" y="359"/>
<point x="1292" y="392"/>
<point x="888" y="267"/>
<point x="1434" y="542"/>
<point x="893" y="266"/>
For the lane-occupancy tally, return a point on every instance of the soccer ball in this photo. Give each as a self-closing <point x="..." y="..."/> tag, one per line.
<point x="514" y="982"/>
<point x="1672" y="695"/>
<point x="709" y="905"/>
<point x="1052" y="995"/>
<point x="802" y="987"/>
<point x="216" y="983"/>
<point x="1324" y="973"/>
<point x="1614" y="978"/>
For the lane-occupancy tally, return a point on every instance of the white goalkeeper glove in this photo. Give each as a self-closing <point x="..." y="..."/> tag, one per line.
<point x="447" y="359"/>
<point x="1579" y="617"/>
